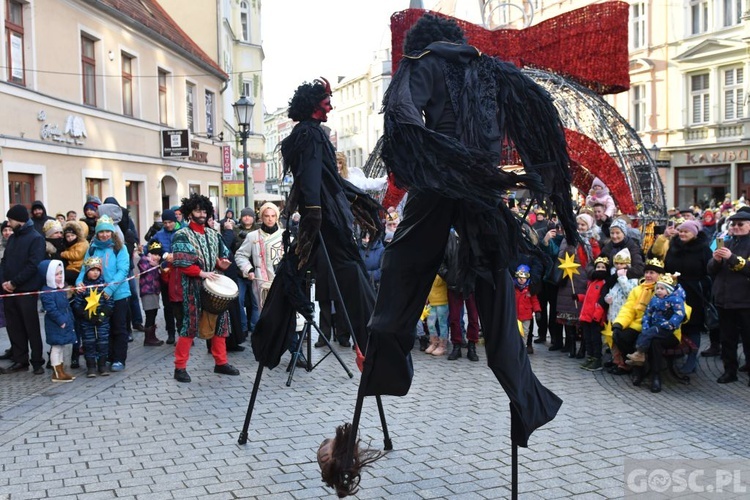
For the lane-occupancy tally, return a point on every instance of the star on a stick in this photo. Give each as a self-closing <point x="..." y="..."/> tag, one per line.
<point x="607" y="333"/>
<point x="568" y="266"/>
<point x="92" y="302"/>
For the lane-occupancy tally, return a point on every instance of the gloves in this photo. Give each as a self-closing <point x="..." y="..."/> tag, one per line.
<point x="366" y="212"/>
<point x="309" y="227"/>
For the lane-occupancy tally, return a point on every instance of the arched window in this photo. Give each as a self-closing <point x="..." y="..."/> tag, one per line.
<point x="245" y="21"/>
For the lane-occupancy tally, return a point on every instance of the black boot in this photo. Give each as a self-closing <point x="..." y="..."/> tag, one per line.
<point x="656" y="382"/>
<point x="455" y="353"/>
<point x="727" y="377"/>
<point x="424" y="342"/>
<point x="181" y="375"/>
<point x="90" y="368"/>
<point x="637" y="376"/>
<point x="471" y="352"/>
<point x="170" y="338"/>
<point x="49" y="363"/>
<point x="712" y="351"/>
<point x="74" y="363"/>
<point x="101" y="365"/>
<point x="581" y="351"/>
<point x="571" y="349"/>
<point x="320" y="342"/>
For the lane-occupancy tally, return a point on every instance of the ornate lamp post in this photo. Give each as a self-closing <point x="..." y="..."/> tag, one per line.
<point x="243" y="111"/>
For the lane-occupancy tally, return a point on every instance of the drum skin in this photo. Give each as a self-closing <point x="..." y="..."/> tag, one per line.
<point x="218" y="294"/>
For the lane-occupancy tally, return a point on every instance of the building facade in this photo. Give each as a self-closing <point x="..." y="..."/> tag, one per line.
<point x="88" y="90"/>
<point x="688" y="95"/>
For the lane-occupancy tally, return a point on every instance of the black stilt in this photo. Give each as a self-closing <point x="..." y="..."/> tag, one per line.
<point x="514" y="470"/>
<point x="250" y="406"/>
<point x="387" y="444"/>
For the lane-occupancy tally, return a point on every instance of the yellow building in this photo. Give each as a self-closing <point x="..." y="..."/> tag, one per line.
<point x="88" y="93"/>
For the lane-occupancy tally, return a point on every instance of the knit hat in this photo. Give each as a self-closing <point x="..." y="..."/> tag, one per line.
<point x="93" y="263"/>
<point x="668" y="281"/>
<point x="155" y="248"/>
<point x="622" y="257"/>
<point x="51" y="227"/>
<point x="587" y="219"/>
<point x="691" y="226"/>
<point x="268" y="205"/>
<point x="168" y="215"/>
<point x="523" y="271"/>
<point x="654" y="265"/>
<point x="104" y="223"/>
<point x="619" y="224"/>
<point x="18" y="213"/>
<point x="709" y="218"/>
<point x="247" y="211"/>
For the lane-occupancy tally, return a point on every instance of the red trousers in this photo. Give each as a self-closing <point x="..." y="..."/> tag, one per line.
<point x="455" y="305"/>
<point x="182" y="351"/>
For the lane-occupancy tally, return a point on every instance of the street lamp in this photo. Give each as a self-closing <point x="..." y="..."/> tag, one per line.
<point x="243" y="111"/>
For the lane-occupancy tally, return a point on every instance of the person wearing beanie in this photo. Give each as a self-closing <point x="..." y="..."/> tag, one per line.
<point x="615" y="293"/>
<point x="53" y="236"/>
<point x="24" y="251"/>
<point x="258" y="258"/>
<point x="593" y="314"/>
<point x="39" y="216"/>
<point x="660" y="326"/>
<point x="170" y="283"/>
<point x="688" y="255"/>
<point x="178" y="213"/>
<point x="619" y="239"/>
<point x="599" y="193"/>
<point x="107" y="245"/>
<point x="91" y="214"/>
<point x="149" y="283"/>
<point x="249" y="305"/>
<point x="527" y="304"/>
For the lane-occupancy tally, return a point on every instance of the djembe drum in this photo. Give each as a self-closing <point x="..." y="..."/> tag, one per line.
<point x="216" y="297"/>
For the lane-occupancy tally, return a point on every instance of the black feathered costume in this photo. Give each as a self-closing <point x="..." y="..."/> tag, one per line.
<point x="448" y="113"/>
<point x="309" y="155"/>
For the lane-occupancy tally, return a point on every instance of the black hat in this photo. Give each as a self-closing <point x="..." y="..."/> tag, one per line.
<point x="741" y="215"/>
<point x="168" y="215"/>
<point x="18" y="213"/>
<point x="688" y="210"/>
<point x="654" y="265"/>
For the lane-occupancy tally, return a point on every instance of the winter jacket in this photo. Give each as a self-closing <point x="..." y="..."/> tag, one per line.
<point x="631" y="313"/>
<point x="56" y="307"/>
<point x="526" y="303"/>
<point x="372" y="256"/>
<point x="115" y="267"/>
<point x="148" y="282"/>
<point x="438" y="293"/>
<point x="100" y="318"/>
<point x="164" y="237"/>
<point x="75" y="254"/>
<point x="567" y="308"/>
<point x="691" y="261"/>
<point x="667" y="313"/>
<point x="591" y="310"/>
<point x="23" y="253"/>
<point x="731" y="287"/>
<point x="39" y="222"/>
<point x="610" y="249"/>
<point x="450" y="268"/>
<point x="123" y="223"/>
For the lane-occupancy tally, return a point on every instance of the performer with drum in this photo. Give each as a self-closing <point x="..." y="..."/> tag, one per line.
<point x="199" y="253"/>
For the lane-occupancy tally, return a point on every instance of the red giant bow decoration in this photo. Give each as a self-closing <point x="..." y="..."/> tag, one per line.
<point x="588" y="45"/>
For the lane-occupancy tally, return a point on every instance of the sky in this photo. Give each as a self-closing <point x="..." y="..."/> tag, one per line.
<point x="305" y="39"/>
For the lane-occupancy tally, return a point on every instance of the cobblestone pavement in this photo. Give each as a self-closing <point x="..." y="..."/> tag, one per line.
<point x="140" y="434"/>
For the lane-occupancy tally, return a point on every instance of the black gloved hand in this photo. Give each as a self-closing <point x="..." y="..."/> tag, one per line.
<point x="309" y="227"/>
<point x="366" y="212"/>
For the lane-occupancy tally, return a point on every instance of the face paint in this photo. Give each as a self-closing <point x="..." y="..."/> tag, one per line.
<point x="321" y="112"/>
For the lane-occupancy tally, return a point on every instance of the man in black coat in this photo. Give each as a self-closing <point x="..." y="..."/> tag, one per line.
<point x="39" y="216"/>
<point x="24" y="251"/>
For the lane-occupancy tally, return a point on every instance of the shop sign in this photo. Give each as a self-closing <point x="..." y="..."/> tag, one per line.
<point x="233" y="188"/>
<point x="728" y="156"/>
<point x="175" y="143"/>
<point x="226" y="163"/>
<point x="73" y="132"/>
<point x="197" y="155"/>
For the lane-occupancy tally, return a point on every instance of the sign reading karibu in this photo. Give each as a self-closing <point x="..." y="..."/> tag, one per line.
<point x="175" y="143"/>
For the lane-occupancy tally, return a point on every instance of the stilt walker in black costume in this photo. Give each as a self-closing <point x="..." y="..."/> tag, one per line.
<point x="449" y="114"/>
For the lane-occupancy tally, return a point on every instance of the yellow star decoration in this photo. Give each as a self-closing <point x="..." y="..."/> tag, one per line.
<point x="568" y="266"/>
<point x="520" y="328"/>
<point x="92" y="302"/>
<point x="607" y="333"/>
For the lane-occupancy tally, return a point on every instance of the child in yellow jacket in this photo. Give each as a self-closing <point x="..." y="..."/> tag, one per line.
<point x="438" y="300"/>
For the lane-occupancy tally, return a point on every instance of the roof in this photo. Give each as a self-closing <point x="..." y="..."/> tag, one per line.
<point x="149" y="17"/>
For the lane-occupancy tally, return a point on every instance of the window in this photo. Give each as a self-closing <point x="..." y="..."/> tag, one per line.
<point x="700" y="99"/>
<point x="734" y="97"/>
<point x="14" y="31"/>
<point x="133" y="202"/>
<point x="194" y="188"/>
<point x="694" y="185"/>
<point x="247" y="89"/>
<point x="732" y="11"/>
<point x="127" y="84"/>
<point x="638" y="25"/>
<point x="162" y="97"/>
<point x="638" y="116"/>
<point x="698" y="16"/>
<point x="245" y="21"/>
<point x="88" y="61"/>
<point x="94" y="187"/>
<point x="189" y="101"/>
<point x="209" y="114"/>
<point x="20" y="189"/>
